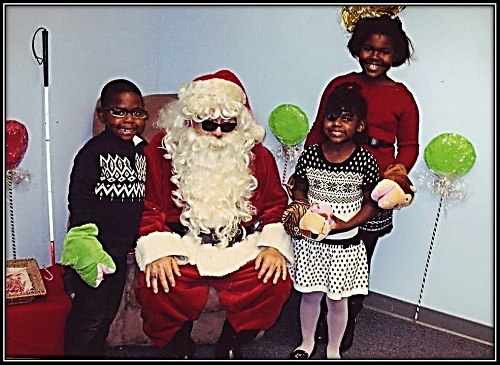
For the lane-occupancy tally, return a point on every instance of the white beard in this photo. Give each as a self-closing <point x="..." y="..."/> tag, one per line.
<point x="215" y="183"/>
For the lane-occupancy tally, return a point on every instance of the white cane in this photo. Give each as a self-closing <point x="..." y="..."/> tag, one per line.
<point x="45" y="61"/>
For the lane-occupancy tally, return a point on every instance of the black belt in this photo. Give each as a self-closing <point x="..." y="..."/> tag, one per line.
<point x="345" y="242"/>
<point x="377" y="143"/>
<point x="211" y="238"/>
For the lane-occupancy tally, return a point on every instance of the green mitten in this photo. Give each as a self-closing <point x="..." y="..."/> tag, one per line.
<point x="84" y="253"/>
<point x="292" y="215"/>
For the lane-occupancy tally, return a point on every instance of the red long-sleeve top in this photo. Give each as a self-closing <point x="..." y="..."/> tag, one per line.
<point x="392" y="117"/>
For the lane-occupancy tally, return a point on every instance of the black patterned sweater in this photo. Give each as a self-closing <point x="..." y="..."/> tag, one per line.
<point x="107" y="187"/>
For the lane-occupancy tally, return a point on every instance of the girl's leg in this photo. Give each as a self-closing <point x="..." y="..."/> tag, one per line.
<point x="337" y="322"/>
<point x="356" y="301"/>
<point x="309" y="313"/>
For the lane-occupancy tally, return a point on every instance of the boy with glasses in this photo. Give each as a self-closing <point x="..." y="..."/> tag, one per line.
<point x="106" y="196"/>
<point x="212" y="217"/>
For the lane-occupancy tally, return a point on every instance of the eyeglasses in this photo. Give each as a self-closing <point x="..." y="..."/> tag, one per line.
<point x="332" y="116"/>
<point x="122" y="112"/>
<point x="209" y="125"/>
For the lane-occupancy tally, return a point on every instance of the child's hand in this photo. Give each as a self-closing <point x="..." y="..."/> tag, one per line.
<point x="339" y="225"/>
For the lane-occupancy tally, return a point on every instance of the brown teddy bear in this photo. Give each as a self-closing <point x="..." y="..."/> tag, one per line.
<point x="395" y="190"/>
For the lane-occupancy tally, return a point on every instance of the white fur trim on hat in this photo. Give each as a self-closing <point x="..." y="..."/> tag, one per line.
<point x="213" y="87"/>
<point x="157" y="245"/>
<point x="211" y="99"/>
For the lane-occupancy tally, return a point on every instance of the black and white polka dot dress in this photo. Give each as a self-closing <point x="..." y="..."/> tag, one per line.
<point x="336" y="269"/>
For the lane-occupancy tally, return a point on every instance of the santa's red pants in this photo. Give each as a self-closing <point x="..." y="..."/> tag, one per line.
<point x="249" y="303"/>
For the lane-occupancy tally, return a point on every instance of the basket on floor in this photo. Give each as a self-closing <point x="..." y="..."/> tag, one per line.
<point x="25" y="284"/>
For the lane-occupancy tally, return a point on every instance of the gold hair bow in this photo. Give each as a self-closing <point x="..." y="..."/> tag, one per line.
<point x="351" y="14"/>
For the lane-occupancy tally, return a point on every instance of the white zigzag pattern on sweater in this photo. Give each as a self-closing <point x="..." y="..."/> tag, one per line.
<point x="120" y="179"/>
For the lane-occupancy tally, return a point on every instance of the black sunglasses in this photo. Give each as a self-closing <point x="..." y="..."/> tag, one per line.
<point x="209" y="125"/>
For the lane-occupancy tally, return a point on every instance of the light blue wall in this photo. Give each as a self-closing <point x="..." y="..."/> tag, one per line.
<point x="283" y="55"/>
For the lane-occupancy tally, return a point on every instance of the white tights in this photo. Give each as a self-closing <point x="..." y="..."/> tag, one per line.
<point x="336" y="319"/>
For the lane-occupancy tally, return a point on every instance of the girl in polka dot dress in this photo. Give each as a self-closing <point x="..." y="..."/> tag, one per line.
<point x="343" y="174"/>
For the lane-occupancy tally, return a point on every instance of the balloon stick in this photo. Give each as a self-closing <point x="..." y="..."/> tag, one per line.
<point x="283" y="178"/>
<point x="11" y="211"/>
<point x="429" y="256"/>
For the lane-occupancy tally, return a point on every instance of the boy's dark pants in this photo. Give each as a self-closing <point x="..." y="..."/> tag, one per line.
<point x="92" y="312"/>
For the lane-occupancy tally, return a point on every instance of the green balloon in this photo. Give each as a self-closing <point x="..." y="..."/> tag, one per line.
<point x="450" y="155"/>
<point x="289" y="124"/>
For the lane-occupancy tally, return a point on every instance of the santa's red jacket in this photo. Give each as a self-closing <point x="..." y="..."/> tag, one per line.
<point x="156" y="239"/>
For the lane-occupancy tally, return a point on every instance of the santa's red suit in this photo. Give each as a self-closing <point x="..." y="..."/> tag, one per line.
<point x="250" y="303"/>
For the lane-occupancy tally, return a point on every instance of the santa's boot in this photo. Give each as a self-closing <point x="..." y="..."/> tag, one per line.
<point x="229" y="344"/>
<point x="182" y="346"/>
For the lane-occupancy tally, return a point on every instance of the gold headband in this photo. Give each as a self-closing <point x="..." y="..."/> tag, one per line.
<point x="351" y="14"/>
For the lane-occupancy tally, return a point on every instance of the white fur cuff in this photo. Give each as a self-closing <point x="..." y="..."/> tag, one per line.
<point x="157" y="245"/>
<point x="274" y="235"/>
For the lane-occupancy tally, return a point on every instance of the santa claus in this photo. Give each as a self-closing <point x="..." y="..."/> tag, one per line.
<point x="212" y="217"/>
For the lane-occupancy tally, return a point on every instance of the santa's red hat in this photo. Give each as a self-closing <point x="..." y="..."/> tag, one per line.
<point x="223" y="83"/>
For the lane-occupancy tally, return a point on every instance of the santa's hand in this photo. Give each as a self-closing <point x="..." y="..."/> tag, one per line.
<point x="271" y="263"/>
<point x="162" y="270"/>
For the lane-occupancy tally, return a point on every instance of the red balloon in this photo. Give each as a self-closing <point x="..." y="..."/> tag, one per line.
<point x="16" y="136"/>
